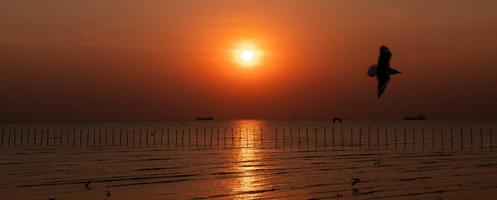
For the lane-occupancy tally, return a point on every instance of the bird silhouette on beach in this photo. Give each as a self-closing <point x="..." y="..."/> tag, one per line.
<point x="355" y="180"/>
<point x="87" y="184"/>
<point x="382" y="70"/>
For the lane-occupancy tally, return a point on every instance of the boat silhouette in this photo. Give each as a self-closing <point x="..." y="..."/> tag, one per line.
<point x="205" y="118"/>
<point x="418" y="117"/>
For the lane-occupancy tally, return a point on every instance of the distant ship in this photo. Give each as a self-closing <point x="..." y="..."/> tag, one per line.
<point x="418" y="117"/>
<point x="205" y="118"/>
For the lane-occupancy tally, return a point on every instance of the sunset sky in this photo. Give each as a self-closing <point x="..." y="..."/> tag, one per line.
<point x="173" y="59"/>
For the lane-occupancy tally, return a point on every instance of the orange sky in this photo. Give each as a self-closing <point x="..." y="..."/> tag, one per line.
<point x="171" y="60"/>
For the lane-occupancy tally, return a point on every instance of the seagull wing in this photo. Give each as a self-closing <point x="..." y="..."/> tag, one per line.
<point x="382" y="84"/>
<point x="384" y="59"/>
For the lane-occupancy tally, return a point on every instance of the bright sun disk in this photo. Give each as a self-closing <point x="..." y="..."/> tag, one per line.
<point x="247" y="55"/>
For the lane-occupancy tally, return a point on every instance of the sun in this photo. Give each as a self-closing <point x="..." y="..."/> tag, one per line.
<point x="247" y="54"/>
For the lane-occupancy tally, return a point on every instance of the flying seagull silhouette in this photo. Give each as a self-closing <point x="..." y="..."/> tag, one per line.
<point x="382" y="70"/>
<point x="337" y="119"/>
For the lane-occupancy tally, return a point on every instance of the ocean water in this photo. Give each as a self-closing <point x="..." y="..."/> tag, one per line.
<point x="249" y="159"/>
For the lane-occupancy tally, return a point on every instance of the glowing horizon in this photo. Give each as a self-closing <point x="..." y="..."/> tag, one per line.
<point x="172" y="60"/>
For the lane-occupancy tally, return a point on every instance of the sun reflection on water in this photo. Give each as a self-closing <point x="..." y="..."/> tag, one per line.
<point x="247" y="161"/>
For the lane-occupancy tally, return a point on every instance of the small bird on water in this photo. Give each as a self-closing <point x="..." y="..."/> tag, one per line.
<point x="382" y="70"/>
<point x="87" y="184"/>
<point x="355" y="180"/>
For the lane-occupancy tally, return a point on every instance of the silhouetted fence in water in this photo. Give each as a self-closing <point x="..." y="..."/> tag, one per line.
<point x="369" y="137"/>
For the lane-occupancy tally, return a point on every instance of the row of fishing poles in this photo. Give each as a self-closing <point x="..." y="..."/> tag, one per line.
<point x="375" y="137"/>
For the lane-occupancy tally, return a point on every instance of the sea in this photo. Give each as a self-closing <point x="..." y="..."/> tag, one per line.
<point x="249" y="159"/>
